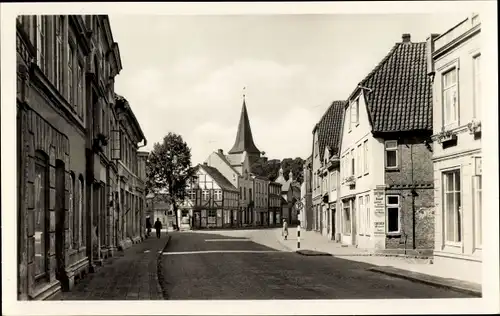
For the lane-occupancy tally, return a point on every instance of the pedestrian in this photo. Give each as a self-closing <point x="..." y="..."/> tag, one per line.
<point x="148" y="226"/>
<point x="284" y="233"/>
<point x="158" y="227"/>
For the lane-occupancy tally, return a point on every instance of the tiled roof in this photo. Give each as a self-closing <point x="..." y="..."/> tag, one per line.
<point x="401" y="93"/>
<point x="219" y="178"/>
<point x="329" y="128"/>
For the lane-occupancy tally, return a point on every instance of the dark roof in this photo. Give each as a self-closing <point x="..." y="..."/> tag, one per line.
<point x="244" y="139"/>
<point x="401" y="93"/>
<point x="219" y="178"/>
<point x="329" y="128"/>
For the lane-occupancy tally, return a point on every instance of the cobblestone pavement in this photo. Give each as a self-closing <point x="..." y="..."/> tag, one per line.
<point x="217" y="266"/>
<point x="129" y="275"/>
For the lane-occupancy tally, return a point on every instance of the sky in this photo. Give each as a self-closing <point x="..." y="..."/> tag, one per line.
<point x="186" y="73"/>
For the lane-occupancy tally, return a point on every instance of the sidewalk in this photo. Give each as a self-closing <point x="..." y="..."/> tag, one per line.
<point x="129" y="275"/>
<point x="394" y="265"/>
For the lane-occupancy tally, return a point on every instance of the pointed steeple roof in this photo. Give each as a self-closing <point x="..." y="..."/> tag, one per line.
<point x="244" y="139"/>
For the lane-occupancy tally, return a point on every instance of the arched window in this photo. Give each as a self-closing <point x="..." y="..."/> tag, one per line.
<point x="81" y="217"/>
<point x="41" y="192"/>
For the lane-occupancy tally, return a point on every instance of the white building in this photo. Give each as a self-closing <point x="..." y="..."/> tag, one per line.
<point x="455" y="65"/>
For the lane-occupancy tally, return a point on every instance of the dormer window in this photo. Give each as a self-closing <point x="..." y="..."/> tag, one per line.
<point x="355" y="112"/>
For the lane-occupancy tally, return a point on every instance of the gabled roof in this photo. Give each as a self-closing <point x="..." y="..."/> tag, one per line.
<point x="219" y="178"/>
<point x="226" y="161"/>
<point x="122" y="103"/>
<point x="329" y="128"/>
<point x="398" y="91"/>
<point x="244" y="138"/>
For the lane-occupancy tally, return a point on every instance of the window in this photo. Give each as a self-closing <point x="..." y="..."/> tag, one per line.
<point x="333" y="181"/>
<point x="359" y="157"/>
<point x="80" y="102"/>
<point x="316" y="148"/>
<point x="353" y="163"/>
<point x="58" y="53"/>
<point x="41" y="216"/>
<point x="205" y="195"/>
<point x="250" y="194"/>
<point x="477" y="198"/>
<point x="240" y="193"/>
<point x="218" y="195"/>
<point x="476" y="62"/>
<point x="355" y="112"/>
<point x="349" y="116"/>
<point x="346" y="214"/>
<point x="244" y="193"/>
<point x="393" y="214"/>
<point x="192" y="194"/>
<point x="450" y="97"/>
<point x="362" y="215"/>
<point x="73" y="219"/>
<point x="71" y="92"/>
<point x="81" y="218"/>
<point x="391" y="154"/>
<point x="41" y="42"/>
<point x="452" y="206"/>
<point x="368" y="215"/>
<point x="365" y="156"/>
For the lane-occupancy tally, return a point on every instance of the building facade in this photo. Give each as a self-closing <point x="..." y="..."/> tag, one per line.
<point x="65" y="85"/>
<point x="274" y="200"/>
<point x="306" y="216"/>
<point x="385" y="161"/>
<point x="261" y="213"/>
<point x="326" y="145"/>
<point x="212" y="198"/>
<point x="290" y="193"/>
<point x="455" y="67"/>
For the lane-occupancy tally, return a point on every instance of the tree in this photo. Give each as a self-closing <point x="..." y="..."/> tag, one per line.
<point x="169" y="170"/>
<point x="270" y="168"/>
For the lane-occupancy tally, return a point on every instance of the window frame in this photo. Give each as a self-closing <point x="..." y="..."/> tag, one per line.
<point x="41" y="22"/>
<point x="476" y="86"/>
<point x="41" y="160"/>
<point x="448" y="68"/>
<point x="361" y="211"/>
<point x="359" y="162"/>
<point x="392" y="206"/>
<point x="477" y="190"/>
<point x="458" y="229"/>
<point x="368" y="215"/>
<point x="346" y="206"/>
<point x="366" y="165"/>
<point x="388" y="148"/>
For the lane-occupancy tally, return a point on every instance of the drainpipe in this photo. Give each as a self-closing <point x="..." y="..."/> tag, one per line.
<point x="412" y="197"/>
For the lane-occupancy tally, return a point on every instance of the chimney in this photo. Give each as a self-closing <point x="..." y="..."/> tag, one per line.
<point x="221" y="151"/>
<point x="205" y="163"/>
<point x="406" y="38"/>
<point x="429" y="46"/>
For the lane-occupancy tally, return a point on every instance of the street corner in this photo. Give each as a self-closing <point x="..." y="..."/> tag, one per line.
<point x="311" y="253"/>
<point x="470" y="288"/>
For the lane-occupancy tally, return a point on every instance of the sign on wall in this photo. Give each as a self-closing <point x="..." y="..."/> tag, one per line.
<point x="379" y="228"/>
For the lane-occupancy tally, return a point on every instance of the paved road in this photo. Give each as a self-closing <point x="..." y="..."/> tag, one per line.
<point x="211" y="266"/>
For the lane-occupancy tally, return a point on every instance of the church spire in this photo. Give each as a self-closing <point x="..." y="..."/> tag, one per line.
<point x="244" y="139"/>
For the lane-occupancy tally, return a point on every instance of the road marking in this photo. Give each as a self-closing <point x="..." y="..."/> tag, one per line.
<point x="146" y="251"/>
<point x="217" y="251"/>
<point x="222" y="239"/>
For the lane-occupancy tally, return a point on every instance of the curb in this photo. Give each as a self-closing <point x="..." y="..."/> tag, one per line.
<point x="313" y="253"/>
<point x="451" y="284"/>
<point x="160" y="278"/>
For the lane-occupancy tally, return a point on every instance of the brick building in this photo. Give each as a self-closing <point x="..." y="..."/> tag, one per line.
<point x="65" y="84"/>
<point x="454" y="65"/>
<point x="385" y="161"/>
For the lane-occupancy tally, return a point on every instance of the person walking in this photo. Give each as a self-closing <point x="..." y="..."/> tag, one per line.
<point x="158" y="227"/>
<point x="285" y="229"/>
<point x="148" y="226"/>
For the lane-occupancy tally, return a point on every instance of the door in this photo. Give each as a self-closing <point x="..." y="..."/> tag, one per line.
<point x="60" y="217"/>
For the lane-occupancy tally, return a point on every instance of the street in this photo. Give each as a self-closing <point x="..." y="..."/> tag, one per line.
<point x="213" y="266"/>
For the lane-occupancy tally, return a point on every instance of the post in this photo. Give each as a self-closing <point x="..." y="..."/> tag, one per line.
<point x="298" y="236"/>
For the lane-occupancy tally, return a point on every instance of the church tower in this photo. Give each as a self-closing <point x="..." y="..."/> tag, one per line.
<point x="244" y="145"/>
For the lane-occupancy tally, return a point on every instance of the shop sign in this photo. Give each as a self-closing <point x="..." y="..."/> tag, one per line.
<point x="379" y="227"/>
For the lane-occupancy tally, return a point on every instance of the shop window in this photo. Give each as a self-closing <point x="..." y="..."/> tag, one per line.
<point x="41" y="191"/>
<point x="452" y="206"/>
<point x="346" y="216"/>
